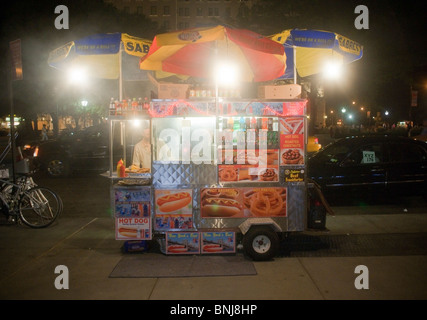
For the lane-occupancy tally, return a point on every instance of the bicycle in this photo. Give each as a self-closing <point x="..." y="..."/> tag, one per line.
<point x="23" y="200"/>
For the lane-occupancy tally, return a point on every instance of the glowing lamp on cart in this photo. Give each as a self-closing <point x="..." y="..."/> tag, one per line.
<point x="332" y="70"/>
<point x="226" y="73"/>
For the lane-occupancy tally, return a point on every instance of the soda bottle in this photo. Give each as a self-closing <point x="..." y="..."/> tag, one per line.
<point x="192" y="93"/>
<point x="259" y="123"/>
<point x="253" y="123"/>
<point x="242" y="124"/>
<point x="124" y="107"/>
<point x="264" y="123"/>
<point x="129" y="110"/>
<point x="224" y="123"/>
<point x="134" y="106"/>
<point x="248" y="123"/>
<point x="270" y="124"/>
<point x="118" y="108"/>
<point x="140" y="106"/>
<point x="112" y="108"/>
<point x="230" y="123"/>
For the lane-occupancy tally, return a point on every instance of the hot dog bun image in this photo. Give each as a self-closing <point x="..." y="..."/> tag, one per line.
<point x="173" y="202"/>
<point x="220" y="207"/>
<point x="128" y="232"/>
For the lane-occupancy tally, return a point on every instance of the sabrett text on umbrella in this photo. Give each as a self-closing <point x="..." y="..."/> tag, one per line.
<point x="136" y="47"/>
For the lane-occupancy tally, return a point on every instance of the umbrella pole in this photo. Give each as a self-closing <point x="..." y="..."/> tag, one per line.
<point x="120" y="73"/>
<point x="295" y="64"/>
<point x="216" y="112"/>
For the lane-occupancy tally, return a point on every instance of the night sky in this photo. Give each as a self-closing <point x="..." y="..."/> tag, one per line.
<point x="394" y="57"/>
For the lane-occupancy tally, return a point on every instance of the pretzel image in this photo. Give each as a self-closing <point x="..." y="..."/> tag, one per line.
<point x="267" y="203"/>
<point x="228" y="174"/>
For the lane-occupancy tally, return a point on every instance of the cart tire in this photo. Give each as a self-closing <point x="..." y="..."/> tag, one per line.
<point x="261" y="243"/>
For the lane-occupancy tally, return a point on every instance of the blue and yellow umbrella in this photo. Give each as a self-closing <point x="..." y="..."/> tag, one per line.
<point x="308" y="51"/>
<point x="104" y="56"/>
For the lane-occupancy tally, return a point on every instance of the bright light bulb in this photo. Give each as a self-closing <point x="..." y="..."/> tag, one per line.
<point x="227" y="73"/>
<point x="332" y="70"/>
<point x="136" y="123"/>
<point x="77" y="75"/>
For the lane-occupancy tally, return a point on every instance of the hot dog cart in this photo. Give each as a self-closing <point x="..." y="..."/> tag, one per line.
<point x="223" y="173"/>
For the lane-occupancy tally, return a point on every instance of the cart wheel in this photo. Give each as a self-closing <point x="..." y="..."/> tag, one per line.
<point x="261" y="243"/>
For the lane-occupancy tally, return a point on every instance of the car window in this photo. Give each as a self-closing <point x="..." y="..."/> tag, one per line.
<point x="367" y="154"/>
<point x="93" y="135"/>
<point x="407" y="152"/>
<point x="334" y="153"/>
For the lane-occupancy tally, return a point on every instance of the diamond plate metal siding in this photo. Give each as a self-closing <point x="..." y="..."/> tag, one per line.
<point x="183" y="174"/>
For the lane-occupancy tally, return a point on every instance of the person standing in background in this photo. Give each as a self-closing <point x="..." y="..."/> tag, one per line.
<point x="44" y="133"/>
<point x="142" y="151"/>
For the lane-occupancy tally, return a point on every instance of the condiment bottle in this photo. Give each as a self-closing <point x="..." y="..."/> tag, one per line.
<point x="119" y="165"/>
<point x="122" y="171"/>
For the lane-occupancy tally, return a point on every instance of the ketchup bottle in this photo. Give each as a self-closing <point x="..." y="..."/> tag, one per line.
<point x="122" y="171"/>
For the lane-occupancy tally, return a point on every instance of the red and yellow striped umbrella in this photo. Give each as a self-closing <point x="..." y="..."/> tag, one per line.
<point x="195" y="52"/>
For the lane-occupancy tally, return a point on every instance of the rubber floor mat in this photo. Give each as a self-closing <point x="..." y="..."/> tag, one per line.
<point x="156" y="265"/>
<point x="395" y="244"/>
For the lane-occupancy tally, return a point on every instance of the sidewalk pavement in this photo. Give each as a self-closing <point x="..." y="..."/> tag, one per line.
<point x="86" y="246"/>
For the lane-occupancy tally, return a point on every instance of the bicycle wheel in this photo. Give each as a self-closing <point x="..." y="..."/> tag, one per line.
<point x="39" y="207"/>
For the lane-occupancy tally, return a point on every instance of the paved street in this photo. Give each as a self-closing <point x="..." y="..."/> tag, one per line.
<point x="390" y="240"/>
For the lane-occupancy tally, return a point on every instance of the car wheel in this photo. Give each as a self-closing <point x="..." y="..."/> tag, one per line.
<point x="261" y="243"/>
<point x="57" y="167"/>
